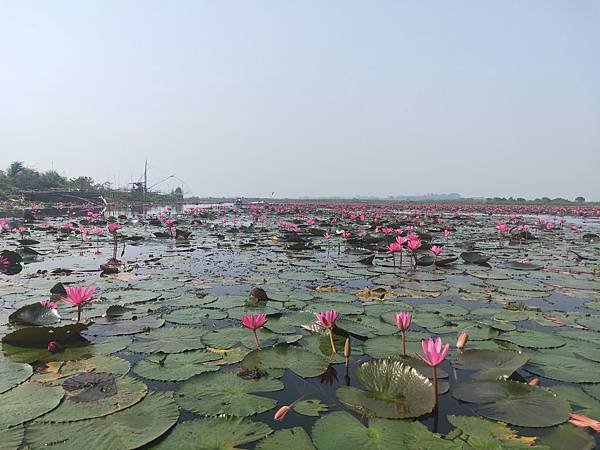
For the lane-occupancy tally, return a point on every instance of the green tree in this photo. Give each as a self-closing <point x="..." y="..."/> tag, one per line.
<point x="14" y="168"/>
<point x="580" y="199"/>
<point x="82" y="183"/>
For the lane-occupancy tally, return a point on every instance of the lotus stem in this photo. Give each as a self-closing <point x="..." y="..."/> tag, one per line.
<point x="78" y="313"/>
<point x="256" y="339"/>
<point x="115" y="247"/>
<point x="435" y="386"/>
<point x="331" y="341"/>
<point x="404" y="343"/>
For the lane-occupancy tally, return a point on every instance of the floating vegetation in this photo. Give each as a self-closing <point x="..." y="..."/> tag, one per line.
<point x="306" y="325"/>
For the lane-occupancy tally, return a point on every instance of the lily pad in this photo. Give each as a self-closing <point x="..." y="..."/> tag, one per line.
<point x="11" y="438"/>
<point x="12" y="374"/>
<point x="187" y="316"/>
<point x="391" y="390"/>
<point x="311" y="407"/>
<point x="515" y="403"/>
<point x="564" y="368"/>
<point x="215" y="393"/>
<point x="214" y="433"/>
<point x="491" y="364"/>
<point x="128" y="392"/>
<point x="302" y="362"/>
<point x="28" y="401"/>
<point x="127" y="429"/>
<point x="168" y="340"/>
<point x="380" y="434"/>
<point x="177" y="366"/>
<point x="34" y="314"/>
<point x="290" y="438"/>
<point x="532" y="339"/>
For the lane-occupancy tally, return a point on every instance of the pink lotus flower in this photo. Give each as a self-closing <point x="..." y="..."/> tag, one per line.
<point x="502" y="227"/>
<point x="48" y="304"/>
<point x="446" y="232"/>
<point x="403" y="320"/>
<point x="310" y="221"/>
<point x="4" y="262"/>
<point x="414" y="244"/>
<point x="113" y="227"/>
<point x="413" y="237"/>
<point x="254" y="322"/>
<point x="327" y="319"/>
<point x="77" y="296"/>
<point x="401" y="240"/>
<point x="394" y="247"/>
<point x="436" y="250"/>
<point x="327" y="235"/>
<point x="434" y="353"/>
<point x="346" y="235"/>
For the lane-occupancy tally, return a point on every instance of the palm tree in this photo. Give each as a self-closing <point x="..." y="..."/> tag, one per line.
<point x="14" y="168"/>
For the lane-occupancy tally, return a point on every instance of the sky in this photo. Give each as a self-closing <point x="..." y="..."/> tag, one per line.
<point x="309" y="98"/>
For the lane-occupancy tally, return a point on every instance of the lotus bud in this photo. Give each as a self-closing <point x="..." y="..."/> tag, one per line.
<point x="535" y="381"/>
<point x="347" y="348"/>
<point x="463" y="338"/>
<point x="281" y="412"/>
<point x="55" y="347"/>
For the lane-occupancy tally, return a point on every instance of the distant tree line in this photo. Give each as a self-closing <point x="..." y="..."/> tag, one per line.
<point x="18" y="178"/>
<point x="543" y="200"/>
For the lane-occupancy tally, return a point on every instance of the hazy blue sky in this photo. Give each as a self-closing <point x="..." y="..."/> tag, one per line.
<point x="478" y="97"/>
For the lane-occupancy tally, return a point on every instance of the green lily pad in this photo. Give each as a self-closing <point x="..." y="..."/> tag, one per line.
<point x="228" y="337"/>
<point x="34" y="314"/>
<point x="28" y="401"/>
<point x="127" y="429"/>
<point x="300" y="361"/>
<point x="188" y="316"/>
<point x="391" y="390"/>
<point x="564" y="368"/>
<point x="591" y="322"/>
<point x="214" y="433"/>
<point x="12" y="373"/>
<point x="380" y="434"/>
<point x="484" y="434"/>
<point x="568" y="437"/>
<point x="129" y="296"/>
<point x="176" y="366"/>
<point x="57" y="371"/>
<point x="290" y="438"/>
<point x="215" y="393"/>
<point x="515" y="403"/>
<point x="311" y="407"/>
<point x="168" y="340"/>
<point x="129" y="392"/>
<point x="11" y="438"/>
<point x="107" y="327"/>
<point x="492" y="364"/>
<point x="532" y="339"/>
